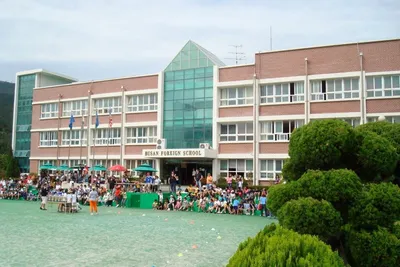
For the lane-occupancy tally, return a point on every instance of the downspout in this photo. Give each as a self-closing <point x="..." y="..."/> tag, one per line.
<point x="363" y="100"/>
<point x="306" y="93"/>
<point x="59" y="135"/>
<point x="122" y="149"/>
<point x="255" y="122"/>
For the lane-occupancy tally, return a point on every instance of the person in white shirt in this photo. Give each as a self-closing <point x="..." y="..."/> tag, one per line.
<point x="157" y="182"/>
<point x="69" y="201"/>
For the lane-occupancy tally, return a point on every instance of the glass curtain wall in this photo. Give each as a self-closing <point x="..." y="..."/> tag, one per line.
<point x="26" y="84"/>
<point x="188" y="99"/>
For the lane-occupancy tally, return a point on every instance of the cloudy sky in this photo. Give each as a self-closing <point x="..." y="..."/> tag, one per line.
<point x="98" y="39"/>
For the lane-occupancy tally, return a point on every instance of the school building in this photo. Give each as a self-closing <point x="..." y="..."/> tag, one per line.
<point x="199" y="113"/>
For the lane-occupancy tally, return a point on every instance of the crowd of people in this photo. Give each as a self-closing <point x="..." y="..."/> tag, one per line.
<point x="214" y="199"/>
<point x="207" y="197"/>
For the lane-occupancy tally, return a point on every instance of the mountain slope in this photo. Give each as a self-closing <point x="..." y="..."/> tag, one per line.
<point x="6" y="115"/>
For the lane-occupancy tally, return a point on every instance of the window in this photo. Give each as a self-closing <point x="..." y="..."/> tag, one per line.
<point x="236" y="132"/>
<point x="49" y="110"/>
<point x="111" y="136"/>
<point x="75" y="137"/>
<point x="282" y="92"/>
<point x="77" y="108"/>
<point x="354" y="122"/>
<point x="236" y="96"/>
<point x="347" y="88"/>
<point x="242" y="167"/>
<point x="141" y="135"/>
<point x="269" y="169"/>
<point x="105" y="105"/>
<point x="47" y="161"/>
<point x="142" y="103"/>
<point x="73" y="162"/>
<point x="278" y="131"/>
<point x="48" y="139"/>
<point x="391" y="119"/>
<point x="383" y="86"/>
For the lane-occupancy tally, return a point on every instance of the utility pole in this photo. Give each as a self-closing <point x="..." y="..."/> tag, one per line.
<point x="239" y="56"/>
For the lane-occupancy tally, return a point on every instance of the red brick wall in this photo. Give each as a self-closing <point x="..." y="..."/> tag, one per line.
<point x="236" y="73"/>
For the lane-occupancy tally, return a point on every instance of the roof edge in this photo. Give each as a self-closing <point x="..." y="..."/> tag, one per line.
<point x="96" y="81"/>
<point x="330" y="45"/>
<point x="34" y="71"/>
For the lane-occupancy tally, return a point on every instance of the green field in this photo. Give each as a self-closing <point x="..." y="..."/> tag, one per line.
<point x="119" y="237"/>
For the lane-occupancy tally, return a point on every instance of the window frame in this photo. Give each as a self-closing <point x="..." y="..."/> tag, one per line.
<point x="268" y="131"/>
<point x="229" y="137"/>
<point x="51" y="113"/>
<point x="75" y="140"/>
<point x="264" y="173"/>
<point x="331" y="92"/>
<point x="274" y="93"/>
<point x="226" y="101"/>
<point x="247" y="167"/>
<point x="372" y="79"/>
<point x="391" y="119"/>
<point x="48" y="139"/>
<point x="104" y="105"/>
<point x="102" y="138"/>
<point x="134" y="105"/>
<point x="68" y="108"/>
<point x="134" y="135"/>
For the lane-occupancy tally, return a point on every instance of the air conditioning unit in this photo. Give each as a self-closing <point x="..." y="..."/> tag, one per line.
<point x="204" y="146"/>
<point x="161" y="144"/>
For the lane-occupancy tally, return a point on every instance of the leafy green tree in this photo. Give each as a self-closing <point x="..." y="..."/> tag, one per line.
<point x="378" y="248"/>
<point x="320" y="145"/>
<point x="12" y="168"/>
<point x="377" y="206"/>
<point x="277" y="246"/>
<point x="345" y="172"/>
<point x="311" y="216"/>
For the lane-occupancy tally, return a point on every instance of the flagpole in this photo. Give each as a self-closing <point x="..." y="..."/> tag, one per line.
<point x="80" y="141"/>
<point x="69" y="146"/>
<point x="108" y="139"/>
<point x="94" y="146"/>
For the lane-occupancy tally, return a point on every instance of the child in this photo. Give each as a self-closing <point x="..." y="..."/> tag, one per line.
<point x="155" y="204"/>
<point x="185" y="205"/>
<point x="171" y="203"/>
<point x="165" y="205"/>
<point x="178" y="203"/>
<point x="211" y="205"/>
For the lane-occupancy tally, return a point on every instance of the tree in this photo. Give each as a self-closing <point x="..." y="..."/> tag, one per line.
<point x="340" y="175"/>
<point x="12" y="168"/>
<point x="277" y="246"/>
<point x="311" y="216"/>
<point x="320" y="145"/>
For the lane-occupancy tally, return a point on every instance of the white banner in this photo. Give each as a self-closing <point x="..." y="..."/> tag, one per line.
<point x="179" y="153"/>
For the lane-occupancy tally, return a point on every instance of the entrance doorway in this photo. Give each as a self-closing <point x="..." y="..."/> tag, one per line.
<point x="184" y="169"/>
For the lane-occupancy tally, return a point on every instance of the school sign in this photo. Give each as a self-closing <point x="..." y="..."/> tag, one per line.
<point x="180" y="153"/>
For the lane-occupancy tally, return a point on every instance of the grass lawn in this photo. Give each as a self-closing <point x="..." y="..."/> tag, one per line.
<point x="119" y="237"/>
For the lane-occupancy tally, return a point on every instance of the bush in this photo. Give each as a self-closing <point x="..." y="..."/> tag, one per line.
<point x="311" y="216"/>
<point x="277" y="246"/>
<point x="377" y="248"/>
<point x="378" y="205"/>
<point x="377" y="157"/>
<point x="279" y="194"/>
<point x="322" y="144"/>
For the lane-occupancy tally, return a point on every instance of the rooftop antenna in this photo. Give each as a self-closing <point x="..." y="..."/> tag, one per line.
<point x="239" y="56"/>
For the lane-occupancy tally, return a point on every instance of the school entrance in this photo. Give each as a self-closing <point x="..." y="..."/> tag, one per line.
<point x="183" y="162"/>
<point x="184" y="169"/>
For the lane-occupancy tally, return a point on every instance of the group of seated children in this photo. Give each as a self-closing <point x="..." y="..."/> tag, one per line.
<point x="208" y="204"/>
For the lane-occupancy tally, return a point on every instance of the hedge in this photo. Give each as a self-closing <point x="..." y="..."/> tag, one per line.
<point x="277" y="246"/>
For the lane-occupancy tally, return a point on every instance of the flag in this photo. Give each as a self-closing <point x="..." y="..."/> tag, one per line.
<point x="71" y="121"/>
<point x="110" y="119"/>
<point x="97" y="120"/>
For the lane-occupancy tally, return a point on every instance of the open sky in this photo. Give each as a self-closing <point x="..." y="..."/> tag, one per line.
<point x="98" y="39"/>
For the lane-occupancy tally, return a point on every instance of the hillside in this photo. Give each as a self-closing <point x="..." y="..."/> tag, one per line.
<point x="6" y="114"/>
